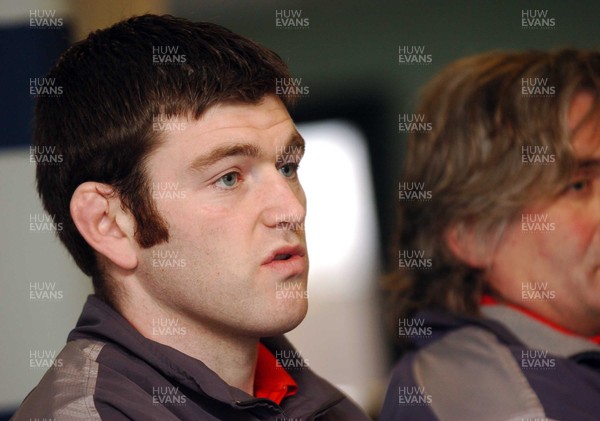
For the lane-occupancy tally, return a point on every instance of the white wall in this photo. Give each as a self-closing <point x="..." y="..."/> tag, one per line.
<point x="30" y="256"/>
<point x="341" y="335"/>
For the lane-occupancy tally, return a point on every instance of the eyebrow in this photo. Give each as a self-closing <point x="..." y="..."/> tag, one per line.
<point x="294" y="145"/>
<point x="202" y="162"/>
<point x="237" y="149"/>
<point x="588" y="164"/>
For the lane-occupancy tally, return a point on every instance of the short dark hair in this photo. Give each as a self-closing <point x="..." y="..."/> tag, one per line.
<point x="112" y="87"/>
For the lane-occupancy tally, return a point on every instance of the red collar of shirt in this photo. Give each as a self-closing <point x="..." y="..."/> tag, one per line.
<point x="489" y="300"/>
<point x="271" y="381"/>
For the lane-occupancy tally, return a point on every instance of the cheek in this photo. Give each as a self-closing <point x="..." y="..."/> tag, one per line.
<point x="208" y="234"/>
<point x="574" y="236"/>
<point x="515" y="254"/>
<point x="187" y="216"/>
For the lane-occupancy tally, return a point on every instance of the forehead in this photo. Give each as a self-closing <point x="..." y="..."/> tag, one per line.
<point x="227" y="122"/>
<point x="583" y="122"/>
<point x="263" y="125"/>
<point x="269" y="112"/>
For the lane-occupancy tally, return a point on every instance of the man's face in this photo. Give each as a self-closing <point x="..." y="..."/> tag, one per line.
<point x="227" y="187"/>
<point x="549" y="259"/>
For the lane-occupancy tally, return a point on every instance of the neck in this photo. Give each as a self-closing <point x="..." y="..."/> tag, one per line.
<point x="231" y="356"/>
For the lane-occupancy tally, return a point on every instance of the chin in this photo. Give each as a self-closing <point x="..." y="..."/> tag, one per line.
<point x="285" y="321"/>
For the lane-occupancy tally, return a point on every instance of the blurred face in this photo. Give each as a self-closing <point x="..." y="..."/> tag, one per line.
<point x="549" y="259"/>
<point x="228" y="188"/>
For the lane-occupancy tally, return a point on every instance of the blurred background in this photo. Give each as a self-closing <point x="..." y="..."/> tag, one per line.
<point x="348" y="57"/>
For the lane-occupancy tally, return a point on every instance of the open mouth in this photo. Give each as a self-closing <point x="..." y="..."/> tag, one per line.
<point x="285" y="254"/>
<point x="287" y="261"/>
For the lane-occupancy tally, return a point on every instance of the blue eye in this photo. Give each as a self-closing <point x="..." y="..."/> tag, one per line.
<point x="289" y="170"/>
<point x="228" y="180"/>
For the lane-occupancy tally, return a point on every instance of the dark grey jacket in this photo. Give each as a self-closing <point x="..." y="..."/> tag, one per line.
<point x="505" y="366"/>
<point x="109" y="371"/>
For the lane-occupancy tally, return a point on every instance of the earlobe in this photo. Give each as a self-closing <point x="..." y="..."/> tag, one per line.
<point x="467" y="246"/>
<point x="105" y="226"/>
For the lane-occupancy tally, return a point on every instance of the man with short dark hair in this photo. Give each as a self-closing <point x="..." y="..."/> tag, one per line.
<point x="179" y="196"/>
<point x="498" y="296"/>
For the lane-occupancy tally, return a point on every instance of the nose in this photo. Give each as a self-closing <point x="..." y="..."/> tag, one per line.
<point x="283" y="202"/>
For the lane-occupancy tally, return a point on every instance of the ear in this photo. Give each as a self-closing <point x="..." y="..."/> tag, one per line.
<point x="467" y="246"/>
<point x="102" y="222"/>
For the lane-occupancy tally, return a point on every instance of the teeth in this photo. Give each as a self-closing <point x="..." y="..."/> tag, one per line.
<point x="282" y="257"/>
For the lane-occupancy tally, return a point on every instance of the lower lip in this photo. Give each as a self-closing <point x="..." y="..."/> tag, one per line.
<point x="295" y="265"/>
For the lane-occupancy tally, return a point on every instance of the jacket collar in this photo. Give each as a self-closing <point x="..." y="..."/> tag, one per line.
<point x="511" y="327"/>
<point x="99" y="321"/>
<point x="538" y="335"/>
